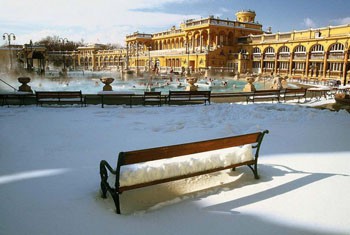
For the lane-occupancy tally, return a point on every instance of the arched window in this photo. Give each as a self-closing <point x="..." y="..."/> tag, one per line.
<point x="270" y="50"/>
<point x="336" y="51"/>
<point x="338" y="47"/>
<point x="284" y="50"/>
<point x="256" y="50"/>
<point x="318" y="48"/>
<point x="300" y="49"/>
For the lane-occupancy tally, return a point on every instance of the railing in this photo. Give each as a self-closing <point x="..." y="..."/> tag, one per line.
<point x="269" y="56"/>
<point x="317" y="55"/>
<point x="8" y="85"/>
<point x="300" y="56"/>
<point x="284" y="56"/>
<point x="336" y="56"/>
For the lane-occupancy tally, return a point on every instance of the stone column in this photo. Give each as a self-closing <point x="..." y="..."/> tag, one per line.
<point x="324" y="70"/>
<point x="208" y="39"/>
<point x="290" y="63"/>
<point x="193" y="43"/>
<point x="345" y="66"/>
<point x="201" y="41"/>
<point x="307" y="64"/>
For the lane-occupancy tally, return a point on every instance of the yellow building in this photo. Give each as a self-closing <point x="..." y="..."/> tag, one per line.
<point x="236" y="46"/>
<point x="96" y="57"/>
<point x="320" y="54"/>
<point x="196" y="45"/>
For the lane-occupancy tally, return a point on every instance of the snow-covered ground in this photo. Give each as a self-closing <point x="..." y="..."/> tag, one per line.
<point x="49" y="174"/>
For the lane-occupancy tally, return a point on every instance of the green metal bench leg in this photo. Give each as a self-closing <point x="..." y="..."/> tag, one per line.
<point x="115" y="197"/>
<point x="255" y="171"/>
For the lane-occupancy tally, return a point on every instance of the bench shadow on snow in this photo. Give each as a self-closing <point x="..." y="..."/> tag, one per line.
<point x="169" y="196"/>
<point x="153" y="197"/>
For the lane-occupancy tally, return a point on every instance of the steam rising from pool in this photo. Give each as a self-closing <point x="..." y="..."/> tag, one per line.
<point x="89" y="83"/>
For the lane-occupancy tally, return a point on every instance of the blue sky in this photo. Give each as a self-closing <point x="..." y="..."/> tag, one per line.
<point x="109" y="21"/>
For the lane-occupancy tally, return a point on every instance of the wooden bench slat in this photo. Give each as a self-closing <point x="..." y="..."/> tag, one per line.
<point x="59" y="97"/>
<point x="177" y="96"/>
<point x="264" y="94"/>
<point x="152" y="154"/>
<point x="294" y="92"/>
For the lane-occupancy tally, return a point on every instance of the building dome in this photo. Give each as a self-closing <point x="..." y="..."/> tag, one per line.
<point x="246" y="16"/>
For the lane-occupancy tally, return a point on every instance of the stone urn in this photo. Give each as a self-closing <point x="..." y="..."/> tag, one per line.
<point x="277" y="83"/>
<point x="24" y="87"/>
<point x="191" y="81"/>
<point x="249" y="87"/>
<point x="107" y="82"/>
<point x="284" y="82"/>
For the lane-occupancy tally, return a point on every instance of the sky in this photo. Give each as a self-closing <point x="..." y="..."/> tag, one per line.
<point x="109" y="21"/>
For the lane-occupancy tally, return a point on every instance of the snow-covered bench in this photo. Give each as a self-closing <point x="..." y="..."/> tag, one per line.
<point x="60" y="97"/>
<point x="141" y="168"/>
<point x="293" y="93"/>
<point x="152" y="97"/>
<point x="264" y="94"/>
<point x="188" y="96"/>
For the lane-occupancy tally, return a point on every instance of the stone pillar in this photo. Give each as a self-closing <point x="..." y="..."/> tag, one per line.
<point x="208" y="39"/>
<point x="193" y="42"/>
<point x="201" y="41"/>
<point x="307" y="64"/>
<point x="345" y="66"/>
<point x="324" y="69"/>
<point x="290" y="63"/>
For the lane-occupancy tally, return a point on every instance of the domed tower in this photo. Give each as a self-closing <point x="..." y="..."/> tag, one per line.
<point x="246" y="16"/>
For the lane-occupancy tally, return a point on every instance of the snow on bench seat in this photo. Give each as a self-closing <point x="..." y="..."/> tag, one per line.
<point x="187" y="164"/>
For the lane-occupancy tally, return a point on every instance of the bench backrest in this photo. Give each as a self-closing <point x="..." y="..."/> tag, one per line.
<point x="145" y="155"/>
<point x="187" y="93"/>
<point x="152" y="94"/>
<point x="58" y="94"/>
<point x="295" y="90"/>
<point x="267" y="92"/>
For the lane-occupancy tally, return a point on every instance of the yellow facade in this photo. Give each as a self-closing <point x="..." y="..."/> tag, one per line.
<point x="313" y="54"/>
<point x="196" y="45"/>
<point x="237" y="46"/>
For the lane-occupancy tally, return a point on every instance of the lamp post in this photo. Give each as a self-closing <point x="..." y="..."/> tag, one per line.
<point x="63" y="41"/>
<point x="9" y="41"/>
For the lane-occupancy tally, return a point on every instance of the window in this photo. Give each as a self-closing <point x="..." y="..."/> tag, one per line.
<point x="256" y="65"/>
<point x="338" y="47"/>
<point x="317" y="49"/>
<point x="270" y="50"/>
<point x="256" y="50"/>
<point x="284" y="50"/>
<point x="283" y="65"/>
<point x="299" y="66"/>
<point x="269" y="65"/>
<point x="300" y="49"/>
<point x="336" y="67"/>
